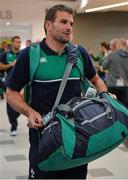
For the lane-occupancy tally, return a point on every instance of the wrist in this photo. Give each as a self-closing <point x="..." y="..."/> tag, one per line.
<point x="10" y="65"/>
<point x="29" y="111"/>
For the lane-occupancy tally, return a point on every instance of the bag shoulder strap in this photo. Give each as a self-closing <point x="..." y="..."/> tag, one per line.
<point x="34" y="58"/>
<point x="63" y="84"/>
<point x="34" y="55"/>
<point x="85" y="83"/>
<point x="81" y="65"/>
<point x="72" y="56"/>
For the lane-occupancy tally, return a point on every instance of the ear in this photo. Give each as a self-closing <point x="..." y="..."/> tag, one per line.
<point x="48" y="25"/>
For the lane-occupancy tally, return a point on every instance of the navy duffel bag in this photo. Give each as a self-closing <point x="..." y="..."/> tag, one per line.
<point x="81" y="131"/>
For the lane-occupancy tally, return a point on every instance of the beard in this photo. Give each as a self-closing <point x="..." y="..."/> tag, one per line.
<point x="17" y="48"/>
<point x="61" y="39"/>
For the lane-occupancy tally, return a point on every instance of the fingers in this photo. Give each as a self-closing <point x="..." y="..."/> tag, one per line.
<point x="35" y="122"/>
<point x="13" y="63"/>
<point x="113" y="96"/>
<point x="34" y="125"/>
<point x="30" y="125"/>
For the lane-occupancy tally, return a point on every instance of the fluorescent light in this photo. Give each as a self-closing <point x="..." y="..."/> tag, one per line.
<point x="106" y="7"/>
<point x="8" y="23"/>
<point x="83" y="3"/>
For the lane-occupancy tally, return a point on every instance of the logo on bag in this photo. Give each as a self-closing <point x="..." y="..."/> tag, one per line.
<point x="43" y="60"/>
<point x="32" y="173"/>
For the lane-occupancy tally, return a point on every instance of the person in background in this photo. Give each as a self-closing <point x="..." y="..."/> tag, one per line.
<point x="7" y="62"/>
<point x="117" y="77"/>
<point x="114" y="44"/>
<point x="104" y="51"/>
<point x="127" y="44"/>
<point x="28" y="43"/>
<point x="58" y="27"/>
<point x="3" y="48"/>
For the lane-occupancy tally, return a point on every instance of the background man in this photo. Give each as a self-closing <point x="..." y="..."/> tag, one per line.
<point x="7" y="62"/>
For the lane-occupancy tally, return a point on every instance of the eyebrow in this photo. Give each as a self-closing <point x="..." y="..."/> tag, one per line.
<point x="66" y="20"/>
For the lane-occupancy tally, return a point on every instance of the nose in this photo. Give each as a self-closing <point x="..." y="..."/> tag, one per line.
<point x="68" y="27"/>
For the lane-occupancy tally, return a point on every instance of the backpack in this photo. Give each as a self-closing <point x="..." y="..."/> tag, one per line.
<point x="34" y="55"/>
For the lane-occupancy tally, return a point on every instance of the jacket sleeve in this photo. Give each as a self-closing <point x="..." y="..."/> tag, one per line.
<point x="19" y="76"/>
<point x="107" y="61"/>
<point x="89" y="69"/>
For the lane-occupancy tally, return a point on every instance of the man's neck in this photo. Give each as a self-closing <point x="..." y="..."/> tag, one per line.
<point x="15" y="50"/>
<point x="55" y="46"/>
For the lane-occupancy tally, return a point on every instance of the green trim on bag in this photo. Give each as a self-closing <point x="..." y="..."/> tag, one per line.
<point x="68" y="135"/>
<point x="55" y="159"/>
<point x="108" y="136"/>
<point x="116" y="105"/>
<point x="58" y="160"/>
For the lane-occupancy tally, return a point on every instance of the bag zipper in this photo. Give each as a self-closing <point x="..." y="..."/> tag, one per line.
<point x="49" y="126"/>
<point x="80" y="104"/>
<point x="107" y="112"/>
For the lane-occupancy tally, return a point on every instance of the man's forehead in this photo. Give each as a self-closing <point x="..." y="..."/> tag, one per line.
<point x="64" y="15"/>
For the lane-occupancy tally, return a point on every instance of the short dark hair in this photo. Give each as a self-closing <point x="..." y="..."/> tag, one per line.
<point x="15" y="37"/>
<point x="105" y="44"/>
<point x="51" y="13"/>
<point x="29" y="41"/>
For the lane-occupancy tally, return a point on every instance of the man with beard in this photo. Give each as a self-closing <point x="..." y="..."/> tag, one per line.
<point x="58" y="27"/>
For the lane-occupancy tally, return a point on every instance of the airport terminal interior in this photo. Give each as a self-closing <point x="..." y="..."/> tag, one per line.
<point x="97" y="23"/>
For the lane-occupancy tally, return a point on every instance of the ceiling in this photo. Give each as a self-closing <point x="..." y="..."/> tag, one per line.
<point x="98" y="3"/>
<point x="76" y="4"/>
<point x="22" y="13"/>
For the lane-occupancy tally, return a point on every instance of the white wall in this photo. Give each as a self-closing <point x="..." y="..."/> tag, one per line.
<point x="29" y="12"/>
<point x="92" y="28"/>
<point x="26" y="14"/>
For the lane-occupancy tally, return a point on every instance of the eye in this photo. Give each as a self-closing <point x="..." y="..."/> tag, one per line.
<point x="63" y="21"/>
<point x="71" y="24"/>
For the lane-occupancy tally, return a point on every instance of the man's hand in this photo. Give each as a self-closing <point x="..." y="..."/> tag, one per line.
<point x="16" y="100"/>
<point x="35" y="120"/>
<point x="112" y="95"/>
<point x="13" y="63"/>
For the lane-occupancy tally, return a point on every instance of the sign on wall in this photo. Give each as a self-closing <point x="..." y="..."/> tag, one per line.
<point x="6" y="14"/>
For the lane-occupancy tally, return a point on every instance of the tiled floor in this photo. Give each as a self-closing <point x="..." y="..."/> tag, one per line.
<point x="14" y="155"/>
<point x="13" y="150"/>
